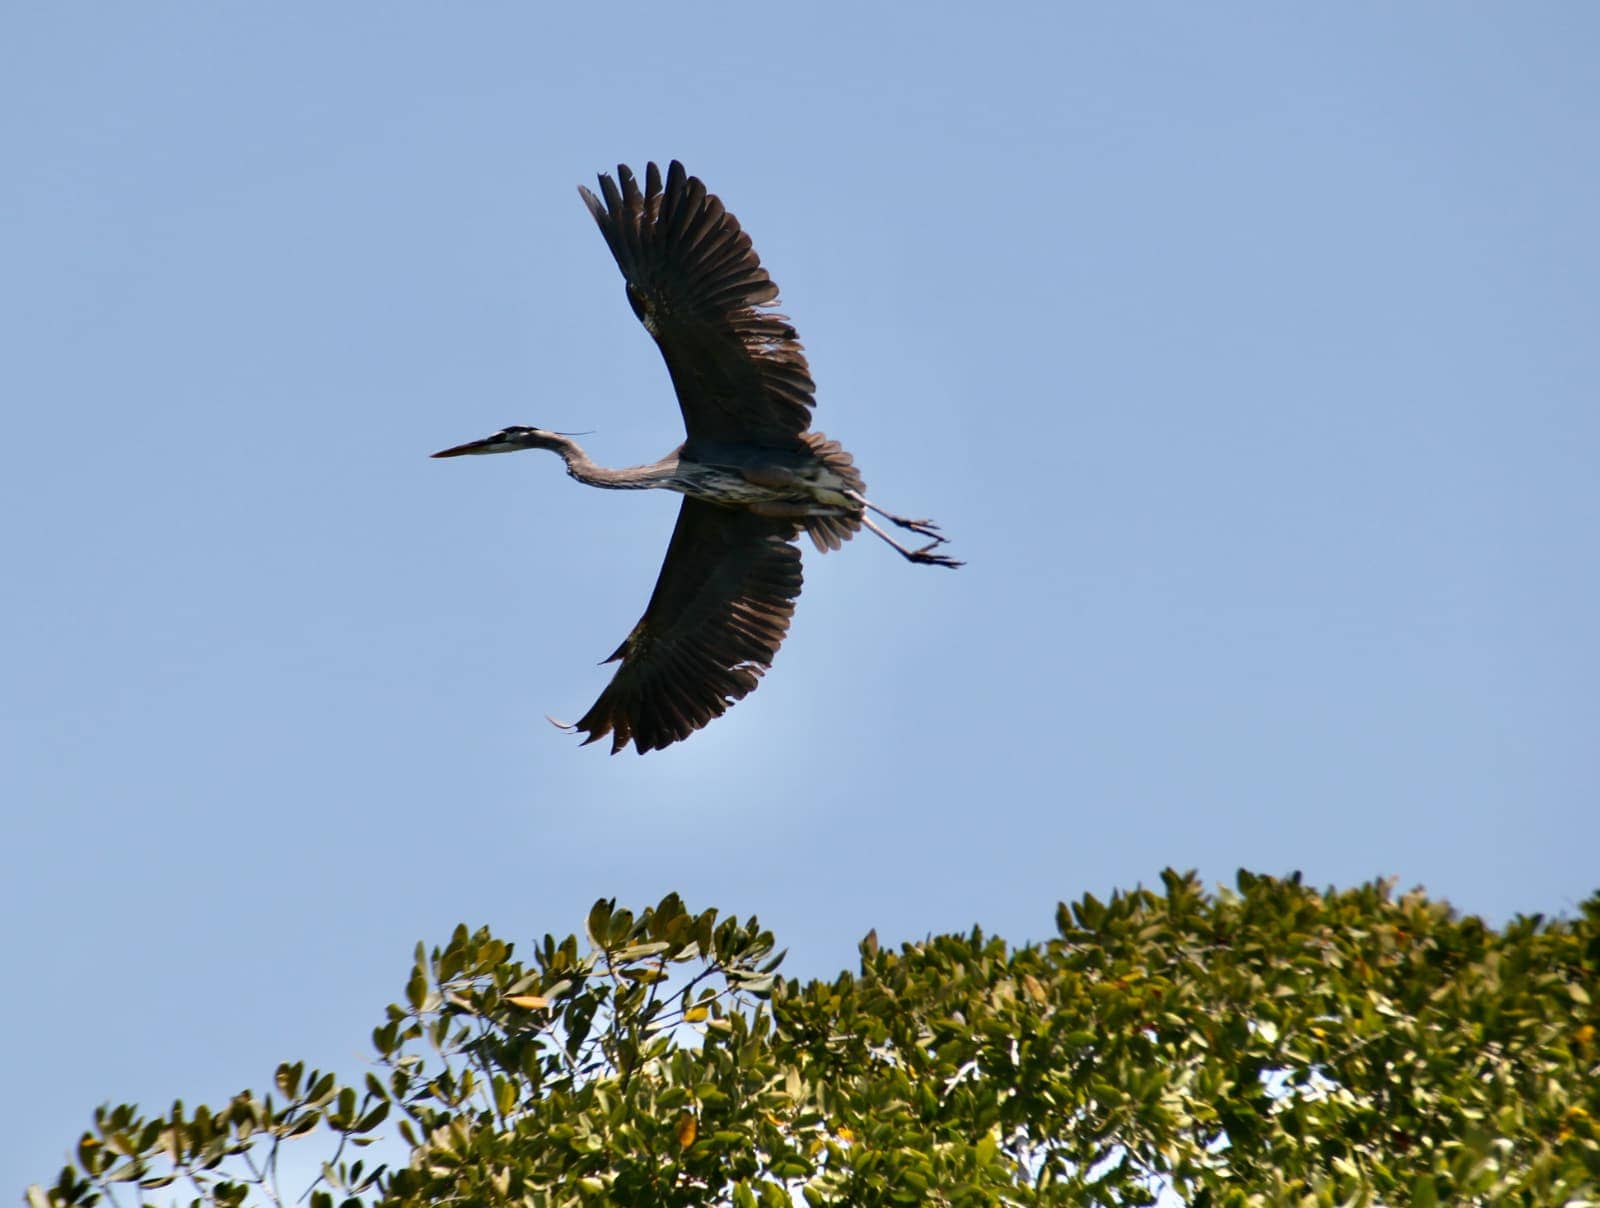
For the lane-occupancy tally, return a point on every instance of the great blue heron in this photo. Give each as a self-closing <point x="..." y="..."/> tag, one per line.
<point x="751" y="474"/>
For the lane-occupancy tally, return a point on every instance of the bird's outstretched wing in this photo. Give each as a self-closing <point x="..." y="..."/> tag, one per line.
<point x="719" y="612"/>
<point x="698" y="287"/>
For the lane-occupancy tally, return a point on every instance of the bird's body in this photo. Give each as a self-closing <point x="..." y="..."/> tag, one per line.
<point x="813" y="481"/>
<point x="752" y="474"/>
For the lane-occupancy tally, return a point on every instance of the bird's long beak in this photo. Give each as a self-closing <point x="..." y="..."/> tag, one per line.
<point x="490" y="444"/>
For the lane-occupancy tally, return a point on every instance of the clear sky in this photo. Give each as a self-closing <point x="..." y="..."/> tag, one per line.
<point x="1248" y="353"/>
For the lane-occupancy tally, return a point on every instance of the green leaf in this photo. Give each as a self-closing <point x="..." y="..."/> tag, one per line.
<point x="635" y="952"/>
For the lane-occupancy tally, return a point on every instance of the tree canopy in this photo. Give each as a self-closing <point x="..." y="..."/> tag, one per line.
<point x="1262" y="1045"/>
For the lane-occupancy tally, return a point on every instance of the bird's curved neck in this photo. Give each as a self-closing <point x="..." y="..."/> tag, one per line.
<point x="628" y="478"/>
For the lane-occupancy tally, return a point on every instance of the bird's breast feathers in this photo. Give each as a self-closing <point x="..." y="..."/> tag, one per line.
<point x="764" y="484"/>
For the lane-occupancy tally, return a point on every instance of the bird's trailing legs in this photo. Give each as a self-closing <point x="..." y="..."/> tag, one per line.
<point x="914" y="555"/>
<point x="923" y="528"/>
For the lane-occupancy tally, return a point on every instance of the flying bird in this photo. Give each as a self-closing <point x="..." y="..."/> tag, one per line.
<point x="751" y="472"/>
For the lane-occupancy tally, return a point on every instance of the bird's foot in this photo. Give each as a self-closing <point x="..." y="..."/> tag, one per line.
<point x="923" y="528"/>
<point x="931" y="559"/>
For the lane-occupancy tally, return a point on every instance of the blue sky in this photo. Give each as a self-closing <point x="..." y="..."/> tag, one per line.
<point x="1247" y="354"/>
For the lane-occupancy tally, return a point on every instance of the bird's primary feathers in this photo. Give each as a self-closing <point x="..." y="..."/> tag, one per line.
<point x="698" y="287"/>
<point x="751" y="473"/>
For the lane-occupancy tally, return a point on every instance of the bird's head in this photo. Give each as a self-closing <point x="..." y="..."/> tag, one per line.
<point x="507" y="440"/>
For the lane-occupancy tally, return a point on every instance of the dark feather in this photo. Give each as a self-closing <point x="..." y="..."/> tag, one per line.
<point x="698" y="286"/>
<point x="719" y="612"/>
<point x="831" y="532"/>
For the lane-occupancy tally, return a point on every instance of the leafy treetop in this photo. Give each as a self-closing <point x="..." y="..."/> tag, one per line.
<point x="1265" y="1045"/>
